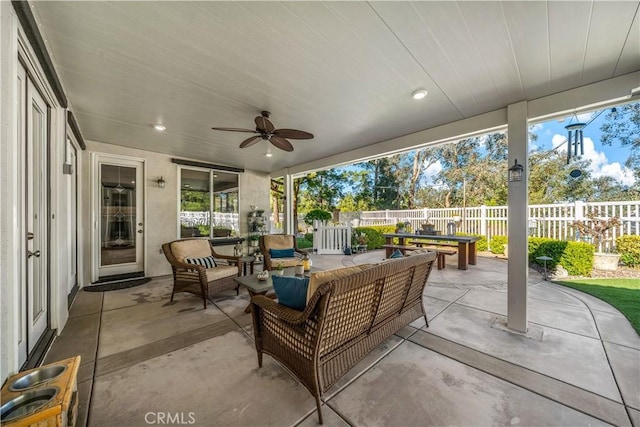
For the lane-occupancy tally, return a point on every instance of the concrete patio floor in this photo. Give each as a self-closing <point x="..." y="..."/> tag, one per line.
<point x="145" y="359"/>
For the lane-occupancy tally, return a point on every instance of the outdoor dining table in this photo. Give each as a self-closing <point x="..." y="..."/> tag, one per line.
<point x="467" y="253"/>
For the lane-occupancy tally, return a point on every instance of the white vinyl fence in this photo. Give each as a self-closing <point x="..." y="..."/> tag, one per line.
<point x="192" y="219"/>
<point x="554" y="220"/>
<point x="330" y="239"/>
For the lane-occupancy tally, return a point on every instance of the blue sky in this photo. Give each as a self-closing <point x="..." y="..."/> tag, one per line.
<point x="604" y="160"/>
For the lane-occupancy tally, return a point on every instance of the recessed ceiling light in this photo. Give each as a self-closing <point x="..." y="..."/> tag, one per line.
<point x="215" y="175"/>
<point x="419" y="93"/>
<point x="160" y="128"/>
<point x="268" y="154"/>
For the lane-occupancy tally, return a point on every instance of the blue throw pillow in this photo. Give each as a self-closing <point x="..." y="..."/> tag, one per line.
<point x="282" y="253"/>
<point x="207" y="261"/>
<point x="291" y="291"/>
<point x="397" y="254"/>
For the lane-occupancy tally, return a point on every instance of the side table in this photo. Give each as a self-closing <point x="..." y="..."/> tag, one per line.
<point x="246" y="260"/>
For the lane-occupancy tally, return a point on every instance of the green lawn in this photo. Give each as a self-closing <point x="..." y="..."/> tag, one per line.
<point x="623" y="294"/>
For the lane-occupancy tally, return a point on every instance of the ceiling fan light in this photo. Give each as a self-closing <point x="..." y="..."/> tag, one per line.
<point x="419" y="94"/>
<point x="159" y="127"/>
<point x="268" y="154"/>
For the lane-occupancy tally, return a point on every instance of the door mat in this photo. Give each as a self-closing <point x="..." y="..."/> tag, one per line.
<point x="114" y="286"/>
<point x="119" y="277"/>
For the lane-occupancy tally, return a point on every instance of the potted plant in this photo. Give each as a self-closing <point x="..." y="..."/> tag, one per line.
<point x="359" y="242"/>
<point x="221" y="231"/>
<point x="279" y="269"/>
<point x="427" y="228"/>
<point x="253" y="240"/>
<point x="594" y="229"/>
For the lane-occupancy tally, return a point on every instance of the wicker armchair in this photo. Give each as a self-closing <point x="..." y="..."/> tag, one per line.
<point x="197" y="279"/>
<point x="279" y="241"/>
<point x="343" y="321"/>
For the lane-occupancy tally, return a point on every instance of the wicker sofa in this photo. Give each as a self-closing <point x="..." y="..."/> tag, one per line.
<point x="197" y="279"/>
<point x="344" y="319"/>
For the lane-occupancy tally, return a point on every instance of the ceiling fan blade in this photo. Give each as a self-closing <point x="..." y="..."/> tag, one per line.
<point x="236" y="130"/>
<point x="292" y="134"/>
<point x="281" y="143"/>
<point x="264" y="125"/>
<point x="250" y="141"/>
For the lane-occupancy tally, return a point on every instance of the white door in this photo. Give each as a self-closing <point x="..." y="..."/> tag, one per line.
<point x="120" y="228"/>
<point x="72" y="194"/>
<point x="36" y="199"/>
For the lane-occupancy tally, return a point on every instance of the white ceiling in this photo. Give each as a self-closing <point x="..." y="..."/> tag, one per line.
<point x="343" y="71"/>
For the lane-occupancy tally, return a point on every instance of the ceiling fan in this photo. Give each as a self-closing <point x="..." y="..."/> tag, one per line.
<point x="266" y="131"/>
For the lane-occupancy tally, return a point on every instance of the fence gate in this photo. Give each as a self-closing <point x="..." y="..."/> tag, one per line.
<point x="330" y="239"/>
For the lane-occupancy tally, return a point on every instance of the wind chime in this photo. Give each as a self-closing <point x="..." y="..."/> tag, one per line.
<point x="575" y="140"/>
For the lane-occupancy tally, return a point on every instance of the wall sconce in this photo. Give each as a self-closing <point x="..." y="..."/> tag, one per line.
<point x="515" y="172"/>
<point x="160" y="183"/>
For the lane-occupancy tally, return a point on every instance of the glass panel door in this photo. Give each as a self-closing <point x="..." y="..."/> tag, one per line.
<point x="195" y="203"/>
<point x="120" y="223"/>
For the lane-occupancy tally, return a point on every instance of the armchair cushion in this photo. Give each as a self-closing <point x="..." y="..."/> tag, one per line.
<point x="282" y="253"/>
<point x="193" y="248"/>
<point x="285" y="262"/>
<point x="278" y="241"/>
<point x="207" y="261"/>
<point x="221" y="272"/>
<point x="291" y="291"/>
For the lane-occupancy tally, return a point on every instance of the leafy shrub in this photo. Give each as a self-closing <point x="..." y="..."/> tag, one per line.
<point x="481" y="244"/>
<point x="496" y="245"/>
<point x="575" y="257"/>
<point x="374" y="237"/>
<point x="318" y="214"/>
<point x="309" y="236"/>
<point x="304" y="243"/>
<point x="629" y="249"/>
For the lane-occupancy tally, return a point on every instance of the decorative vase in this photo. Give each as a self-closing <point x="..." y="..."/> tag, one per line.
<point x="263" y="275"/>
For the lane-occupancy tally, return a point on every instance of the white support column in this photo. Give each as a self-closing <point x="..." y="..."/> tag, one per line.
<point x="289" y="226"/>
<point x="518" y="269"/>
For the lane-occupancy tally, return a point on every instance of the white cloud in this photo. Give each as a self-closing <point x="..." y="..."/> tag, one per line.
<point x="598" y="163"/>
<point x="433" y="170"/>
<point x="557" y="140"/>
<point x="536" y="127"/>
<point x="585" y="117"/>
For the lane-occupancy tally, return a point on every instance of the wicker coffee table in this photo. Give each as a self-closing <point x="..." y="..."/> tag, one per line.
<point x="261" y="287"/>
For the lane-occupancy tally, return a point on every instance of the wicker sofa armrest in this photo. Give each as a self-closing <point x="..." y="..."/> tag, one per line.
<point x="279" y="311"/>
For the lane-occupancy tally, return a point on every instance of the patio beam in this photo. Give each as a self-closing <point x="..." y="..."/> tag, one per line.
<point x="289" y="226"/>
<point x="518" y="200"/>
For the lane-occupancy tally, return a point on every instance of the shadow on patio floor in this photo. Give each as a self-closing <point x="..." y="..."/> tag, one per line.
<point x="145" y="359"/>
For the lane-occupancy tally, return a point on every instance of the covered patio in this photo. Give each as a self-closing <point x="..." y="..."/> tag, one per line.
<point x="144" y="357"/>
<point x="92" y="89"/>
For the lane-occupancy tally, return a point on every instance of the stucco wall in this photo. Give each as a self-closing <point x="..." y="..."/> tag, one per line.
<point x="9" y="283"/>
<point x="162" y="203"/>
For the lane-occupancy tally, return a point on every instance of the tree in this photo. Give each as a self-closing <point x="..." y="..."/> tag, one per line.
<point x="623" y="126"/>
<point x="320" y="190"/>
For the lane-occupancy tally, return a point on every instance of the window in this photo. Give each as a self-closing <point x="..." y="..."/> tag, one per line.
<point x="208" y="203"/>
